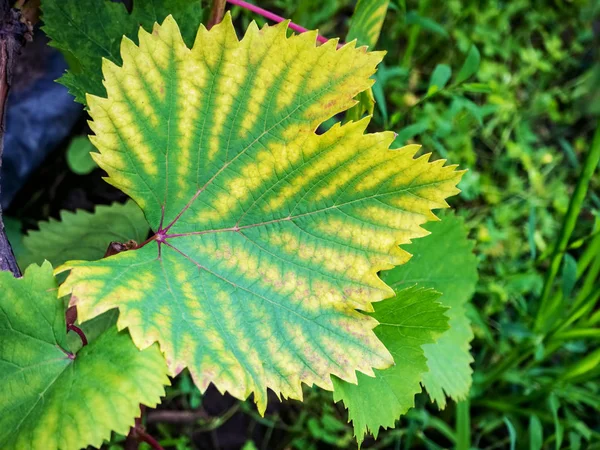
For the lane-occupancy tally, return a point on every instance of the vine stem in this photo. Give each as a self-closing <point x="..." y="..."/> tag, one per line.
<point x="216" y="13"/>
<point x="274" y="17"/>
<point x="142" y="435"/>
<point x="138" y="434"/>
<point x="13" y="35"/>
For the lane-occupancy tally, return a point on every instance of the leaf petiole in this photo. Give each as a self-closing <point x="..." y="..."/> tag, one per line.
<point x="80" y="333"/>
<point x="274" y="17"/>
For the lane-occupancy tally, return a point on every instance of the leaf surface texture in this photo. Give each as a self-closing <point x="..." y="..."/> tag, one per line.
<point x="269" y="237"/>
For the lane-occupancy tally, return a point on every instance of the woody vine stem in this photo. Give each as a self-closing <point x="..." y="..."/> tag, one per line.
<point x="14" y="31"/>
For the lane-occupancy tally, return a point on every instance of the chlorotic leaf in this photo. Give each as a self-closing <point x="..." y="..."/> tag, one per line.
<point x="365" y="27"/>
<point x="89" y="30"/>
<point x="268" y="237"/>
<point x="85" y="235"/>
<point x="52" y="398"/>
<point x="445" y="262"/>
<point x="407" y="322"/>
<point x="366" y="22"/>
<point x="79" y="158"/>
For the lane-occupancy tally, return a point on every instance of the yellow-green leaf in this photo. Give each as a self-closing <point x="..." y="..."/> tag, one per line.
<point x="53" y="398"/>
<point x="365" y="27"/>
<point x="366" y="22"/>
<point x="268" y="237"/>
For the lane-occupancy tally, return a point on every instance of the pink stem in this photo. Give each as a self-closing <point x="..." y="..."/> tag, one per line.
<point x="274" y="17"/>
<point x="79" y="331"/>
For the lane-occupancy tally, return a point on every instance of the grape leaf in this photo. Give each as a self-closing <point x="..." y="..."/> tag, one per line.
<point x="406" y="322"/>
<point x="52" y="398"/>
<point x="89" y="30"/>
<point x="445" y="262"/>
<point x="85" y="235"/>
<point x="268" y="237"/>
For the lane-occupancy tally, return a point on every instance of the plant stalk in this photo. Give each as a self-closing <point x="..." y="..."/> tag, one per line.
<point x="274" y="17"/>
<point x="463" y="425"/>
<point x="13" y="34"/>
<point x="216" y="13"/>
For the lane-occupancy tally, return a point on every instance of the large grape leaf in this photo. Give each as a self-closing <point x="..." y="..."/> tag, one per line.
<point x="52" y="398"/>
<point x="445" y="262"/>
<point x="89" y="30"/>
<point x="268" y="236"/>
<point x="84" y="235"/>
<point x="406" y="323"/>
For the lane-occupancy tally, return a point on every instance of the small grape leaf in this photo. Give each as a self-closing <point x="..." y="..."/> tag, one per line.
<point x="88" y="30"/>
<point x="268" y="237"/>
<point x="53" y="399"/>
<point x="84" y="235"/>
<point x="445" y="262"/>
<point x="406" y="323"/>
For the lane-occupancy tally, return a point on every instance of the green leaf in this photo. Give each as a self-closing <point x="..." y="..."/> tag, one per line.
<point x="413" y="18"/>
<point x="79" y="158"/>
<point x="445" y="262"/>
<point x="554" y="405"/>
<point x="478" y="88"/>
<point x="531" y="226"/>
<point x="187" y="13"/>
<point x="52" y="398"/>
<point x="512" y="433"/>
<point x="470" y="66"/>
<point x="268" y="237"/>
<point x="411" y="131"/>
<point x="407" y="322"/>
<point x="439" y="78"/>
<point x="84" y="235"/>
<point x="536" y="433"/>
<point x="89" y="30"/>
<point x="366" y="22"/>
<point x="569" y="275"/>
